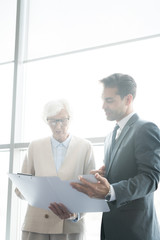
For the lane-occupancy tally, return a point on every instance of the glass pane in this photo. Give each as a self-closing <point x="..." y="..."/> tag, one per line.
<point x="18" y="208"/>
<point x="93" y="225"/>
<point x="62" y="26"/>
<point x="99" y="155"/>
<point x="7" y="26"/>
<point x="6" y="82"/>
<point x="4" y="156"/>
<point x="76" y="76"/>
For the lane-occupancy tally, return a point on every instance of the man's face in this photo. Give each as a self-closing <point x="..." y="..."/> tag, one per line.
<point x="59" y="125"/>
<point x="114" y="106"/>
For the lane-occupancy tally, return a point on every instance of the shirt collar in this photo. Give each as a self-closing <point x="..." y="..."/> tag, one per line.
<point x="123" y="122"/>
<point x="55" y="143"/>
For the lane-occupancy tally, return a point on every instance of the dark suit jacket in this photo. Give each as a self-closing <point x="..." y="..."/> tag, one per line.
<point x="133" y="169"/>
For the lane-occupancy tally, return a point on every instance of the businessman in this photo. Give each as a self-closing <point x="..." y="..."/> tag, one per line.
<point x="132" y="167"/>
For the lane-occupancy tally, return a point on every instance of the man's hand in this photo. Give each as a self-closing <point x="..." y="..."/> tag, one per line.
<point x="93" y="190"/>
<point x="61" y="211"/>
<point x="101" y="171"/>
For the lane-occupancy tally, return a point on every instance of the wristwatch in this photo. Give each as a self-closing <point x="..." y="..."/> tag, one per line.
<point x="108" y="196"/>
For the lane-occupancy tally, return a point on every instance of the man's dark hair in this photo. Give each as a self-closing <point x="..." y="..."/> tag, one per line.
<point x="124" y="83"/>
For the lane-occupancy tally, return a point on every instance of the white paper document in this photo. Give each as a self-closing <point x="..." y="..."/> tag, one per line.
<point x="41" y="191"/>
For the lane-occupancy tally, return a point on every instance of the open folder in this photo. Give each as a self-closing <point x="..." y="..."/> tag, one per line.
<point x="41" y="191"/>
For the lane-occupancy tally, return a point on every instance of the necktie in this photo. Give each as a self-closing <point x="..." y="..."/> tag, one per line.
<point x="114" y="136"/>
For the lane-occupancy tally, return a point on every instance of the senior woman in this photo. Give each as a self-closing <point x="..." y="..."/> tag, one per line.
<point x="62" y="155"/>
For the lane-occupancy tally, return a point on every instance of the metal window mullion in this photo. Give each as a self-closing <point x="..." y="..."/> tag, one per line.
<point x="107" y="45"/>
<point x="95" y="141"/>
<point x="18" y="59"/>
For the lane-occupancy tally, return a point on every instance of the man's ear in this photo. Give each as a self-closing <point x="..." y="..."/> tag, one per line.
<point x="129" y="99"/>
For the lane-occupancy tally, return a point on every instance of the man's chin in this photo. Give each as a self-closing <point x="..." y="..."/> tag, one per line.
<point x="110" y="118"/>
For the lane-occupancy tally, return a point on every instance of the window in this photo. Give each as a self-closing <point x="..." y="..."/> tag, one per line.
<point x="53" y="49"/>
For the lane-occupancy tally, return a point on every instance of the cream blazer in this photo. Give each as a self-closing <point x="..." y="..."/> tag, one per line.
<point x="39" y="161"/>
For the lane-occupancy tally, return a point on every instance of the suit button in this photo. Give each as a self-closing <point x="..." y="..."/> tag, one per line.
<point x="46" y="216"/>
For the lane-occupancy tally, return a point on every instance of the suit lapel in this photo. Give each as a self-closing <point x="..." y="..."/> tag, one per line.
<point x="108" y="142"/>
<point x="110" y="156"/>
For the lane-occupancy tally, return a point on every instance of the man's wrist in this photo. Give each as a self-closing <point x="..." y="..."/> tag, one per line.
<point x="112" y="194"/>
<point x="108" y="196"/>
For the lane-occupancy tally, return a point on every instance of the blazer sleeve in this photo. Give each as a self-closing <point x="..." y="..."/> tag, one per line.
<point x="27" y="167"/>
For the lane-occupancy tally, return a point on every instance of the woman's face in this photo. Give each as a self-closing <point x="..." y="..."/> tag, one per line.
<point x="59" y="125"/>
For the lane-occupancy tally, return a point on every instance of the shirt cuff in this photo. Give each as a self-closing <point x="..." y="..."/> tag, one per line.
<point x="77" y="218"/>
<point x="113" y="195"/>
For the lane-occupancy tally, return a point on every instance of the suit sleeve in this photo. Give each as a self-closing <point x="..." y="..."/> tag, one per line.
<point x="147" y="157"/>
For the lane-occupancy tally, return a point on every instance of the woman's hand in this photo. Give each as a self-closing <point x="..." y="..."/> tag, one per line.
<point x="61" y="211"/>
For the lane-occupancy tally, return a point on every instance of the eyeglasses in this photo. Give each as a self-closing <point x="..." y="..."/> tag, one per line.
<point x="54" y="122"/>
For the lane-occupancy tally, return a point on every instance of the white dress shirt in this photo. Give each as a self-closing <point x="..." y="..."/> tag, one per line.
<point x="59" y="150"/>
